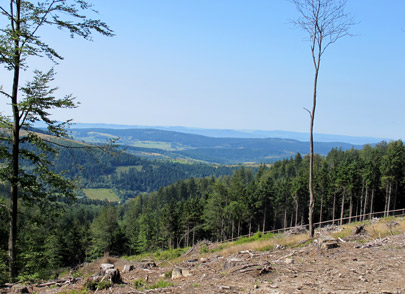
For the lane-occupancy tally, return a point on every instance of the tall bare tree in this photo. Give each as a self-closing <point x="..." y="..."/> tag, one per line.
<point x="325" y="21"/>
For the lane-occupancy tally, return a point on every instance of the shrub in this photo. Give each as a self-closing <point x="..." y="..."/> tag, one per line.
<point x="139" y="284"/>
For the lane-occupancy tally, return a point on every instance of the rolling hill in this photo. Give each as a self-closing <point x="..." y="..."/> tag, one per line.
<point x="154" y="143"/>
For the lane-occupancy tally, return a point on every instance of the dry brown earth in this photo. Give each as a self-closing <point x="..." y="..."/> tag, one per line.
<point x="360" y="264"/>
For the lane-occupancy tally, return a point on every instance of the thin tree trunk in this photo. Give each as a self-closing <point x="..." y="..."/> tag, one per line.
<point x="285" y="219"/>
<point x="389" y="200"/>
<point x="361" y="201"/>
<point x="15" y="149"/>
<point x="317" y="61"/>
<point x="342" y="210"/>
<point x="351" y="207"/>
<point x="233" y="228"/>
<point x="372" y="203"/>
<point x="188" y="235"/>
<point x="264" y="216"/>
<point x="334" y="208"/>
<point x="296" y="212"/>
<point x="365" y="205"/>
<point x="320" y="212"/>
<point x="394" y="205"/>
<point x="222" y="230"/>
<point x="386" y="199"/>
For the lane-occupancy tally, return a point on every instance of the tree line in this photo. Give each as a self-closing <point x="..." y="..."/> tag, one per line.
<point x="352" y="183"/>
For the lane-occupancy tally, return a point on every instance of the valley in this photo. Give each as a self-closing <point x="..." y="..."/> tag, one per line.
<point x="164" y="144"/>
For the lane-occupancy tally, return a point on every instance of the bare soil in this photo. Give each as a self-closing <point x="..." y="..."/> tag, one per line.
<point x="359" y="264"/>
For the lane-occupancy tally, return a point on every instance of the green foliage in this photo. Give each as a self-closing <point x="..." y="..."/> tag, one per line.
<point x="101" y="194"/>
<point x="105" y="232"/>
<point x="255" y="237"/>
<point x="26" y="156"/>
<point x="139" y="284"/>
<point x="203" y="249"/>
<point x="206" y="209"/>
<point x="159" y="255"/>
<point x="94" y="285"/>
<point x="74" y="291"/>
<point x="159" y="284"/>
<point x="170" y="254"/>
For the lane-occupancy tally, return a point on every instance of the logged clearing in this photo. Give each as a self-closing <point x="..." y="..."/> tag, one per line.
<point x="358" y="258"/>
<point x="101" y="194"/>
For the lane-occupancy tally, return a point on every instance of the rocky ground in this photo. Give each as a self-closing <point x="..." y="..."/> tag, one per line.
<point x="355" y="264"/>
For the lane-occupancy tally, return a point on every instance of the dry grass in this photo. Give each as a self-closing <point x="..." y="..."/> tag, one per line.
<point x="374" y="229"/>
<point x="265" y="244"/>
<point x="384" y="227"/>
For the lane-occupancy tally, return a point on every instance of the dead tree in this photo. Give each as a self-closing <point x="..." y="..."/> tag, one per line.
<point x="325" y="21"/>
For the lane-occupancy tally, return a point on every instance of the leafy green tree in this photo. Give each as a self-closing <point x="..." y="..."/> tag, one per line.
<point x="20" y="40"/>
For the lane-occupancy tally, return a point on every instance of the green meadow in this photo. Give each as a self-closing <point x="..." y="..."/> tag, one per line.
<point x="101" y="194"/>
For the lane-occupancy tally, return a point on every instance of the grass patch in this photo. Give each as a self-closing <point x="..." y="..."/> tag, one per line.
<point x="159" y="255"/>
<point x="141" y="284"/>
<point x="159" y="284"/>
<point x="264" y="242"/>
<point x="255" y="237"/>
<point x="346" y="232"/>
<point x="101" y="194"/>
<point x="125" y="169"/>
<point x="154" y="145"/>
<point x="93" y="285"/>
<point x="74" y="291"/>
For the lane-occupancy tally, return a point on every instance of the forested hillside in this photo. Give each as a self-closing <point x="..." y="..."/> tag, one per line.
<point x="128" y="174"/>
<point x="153" y="143"/>
<point x="347" y="183"/>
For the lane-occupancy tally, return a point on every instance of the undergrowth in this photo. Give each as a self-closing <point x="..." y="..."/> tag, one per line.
<point x="141" y="284"/>
<point x="165" y="255"/>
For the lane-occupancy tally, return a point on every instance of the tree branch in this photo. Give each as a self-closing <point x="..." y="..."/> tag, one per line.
<point x="309" y="112"/>
<point x="39" y="24"/>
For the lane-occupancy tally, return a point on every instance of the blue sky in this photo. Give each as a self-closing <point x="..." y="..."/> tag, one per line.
<point x="233" y="64"/>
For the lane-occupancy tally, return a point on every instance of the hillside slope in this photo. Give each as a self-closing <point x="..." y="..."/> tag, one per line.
<point x="359" y="264"/>
<point x="176" y="145"/>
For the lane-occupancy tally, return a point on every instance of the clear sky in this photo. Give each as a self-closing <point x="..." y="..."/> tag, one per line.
<point x="233" y="64"/>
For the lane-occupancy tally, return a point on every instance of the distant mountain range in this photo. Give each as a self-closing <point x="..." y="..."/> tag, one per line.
<point x="228" y="133"/>
<point x="228" y="149"/>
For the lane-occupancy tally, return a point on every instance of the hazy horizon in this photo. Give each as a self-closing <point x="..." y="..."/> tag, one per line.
<point x="232" y="65"/>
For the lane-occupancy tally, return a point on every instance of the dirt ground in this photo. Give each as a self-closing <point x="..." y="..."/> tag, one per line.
<point x="356" y="265"/>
